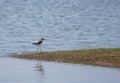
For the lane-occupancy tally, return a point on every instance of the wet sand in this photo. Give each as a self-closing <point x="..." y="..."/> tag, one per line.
<point x="109" y="57"/>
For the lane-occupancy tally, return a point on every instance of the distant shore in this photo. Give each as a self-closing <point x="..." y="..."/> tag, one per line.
<point x="109" y="57"/>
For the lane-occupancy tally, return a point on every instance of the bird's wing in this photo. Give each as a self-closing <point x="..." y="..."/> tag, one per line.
<point x="35" y="42"/>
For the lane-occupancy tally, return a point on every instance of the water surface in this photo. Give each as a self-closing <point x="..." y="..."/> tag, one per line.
<point x="66" y="24"/>
<point x="28" y="71"/>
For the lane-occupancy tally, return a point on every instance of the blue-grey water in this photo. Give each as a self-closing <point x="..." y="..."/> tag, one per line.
<point x="26" y="71"/>
<point x="67" y="25"/>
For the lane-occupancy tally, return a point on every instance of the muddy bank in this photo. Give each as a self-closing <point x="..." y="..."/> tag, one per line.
<point x="100" y="57"/>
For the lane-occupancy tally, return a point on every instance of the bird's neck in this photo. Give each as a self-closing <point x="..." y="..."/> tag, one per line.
<point x="40" y="41"/>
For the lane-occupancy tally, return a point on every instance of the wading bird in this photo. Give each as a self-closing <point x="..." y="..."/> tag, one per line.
<point x="38" y="44"/>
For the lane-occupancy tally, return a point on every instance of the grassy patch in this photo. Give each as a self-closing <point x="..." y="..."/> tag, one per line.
<point x="99" y="57"/>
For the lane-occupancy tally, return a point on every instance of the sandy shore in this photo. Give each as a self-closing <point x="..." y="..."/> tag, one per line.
<point x="100" y="57"/>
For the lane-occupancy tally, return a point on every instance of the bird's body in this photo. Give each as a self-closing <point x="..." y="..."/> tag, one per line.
<point x="38" y="43"/>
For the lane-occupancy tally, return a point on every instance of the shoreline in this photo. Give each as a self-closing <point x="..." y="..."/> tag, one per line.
<point x="109" y="57"/>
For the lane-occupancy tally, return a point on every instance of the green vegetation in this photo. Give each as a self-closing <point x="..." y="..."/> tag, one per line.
<point x="100" y="57"/>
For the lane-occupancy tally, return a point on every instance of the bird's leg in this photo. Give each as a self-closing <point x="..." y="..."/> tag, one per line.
<point x="37" y="49"/>
<point x="40" y="48"/>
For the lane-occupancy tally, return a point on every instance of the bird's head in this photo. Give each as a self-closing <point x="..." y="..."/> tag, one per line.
<point x="43" y="39"/>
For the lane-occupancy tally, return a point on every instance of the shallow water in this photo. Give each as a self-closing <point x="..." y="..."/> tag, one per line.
<point x="28" y="71"/>
<point x="66" y="24"/>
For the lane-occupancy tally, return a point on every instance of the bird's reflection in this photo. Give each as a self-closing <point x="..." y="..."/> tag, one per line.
<point x="39" y="66"/>
<point x="40" y="69"/>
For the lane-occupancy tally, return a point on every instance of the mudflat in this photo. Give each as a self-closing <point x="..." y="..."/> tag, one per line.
<point x="99" y="57"/>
